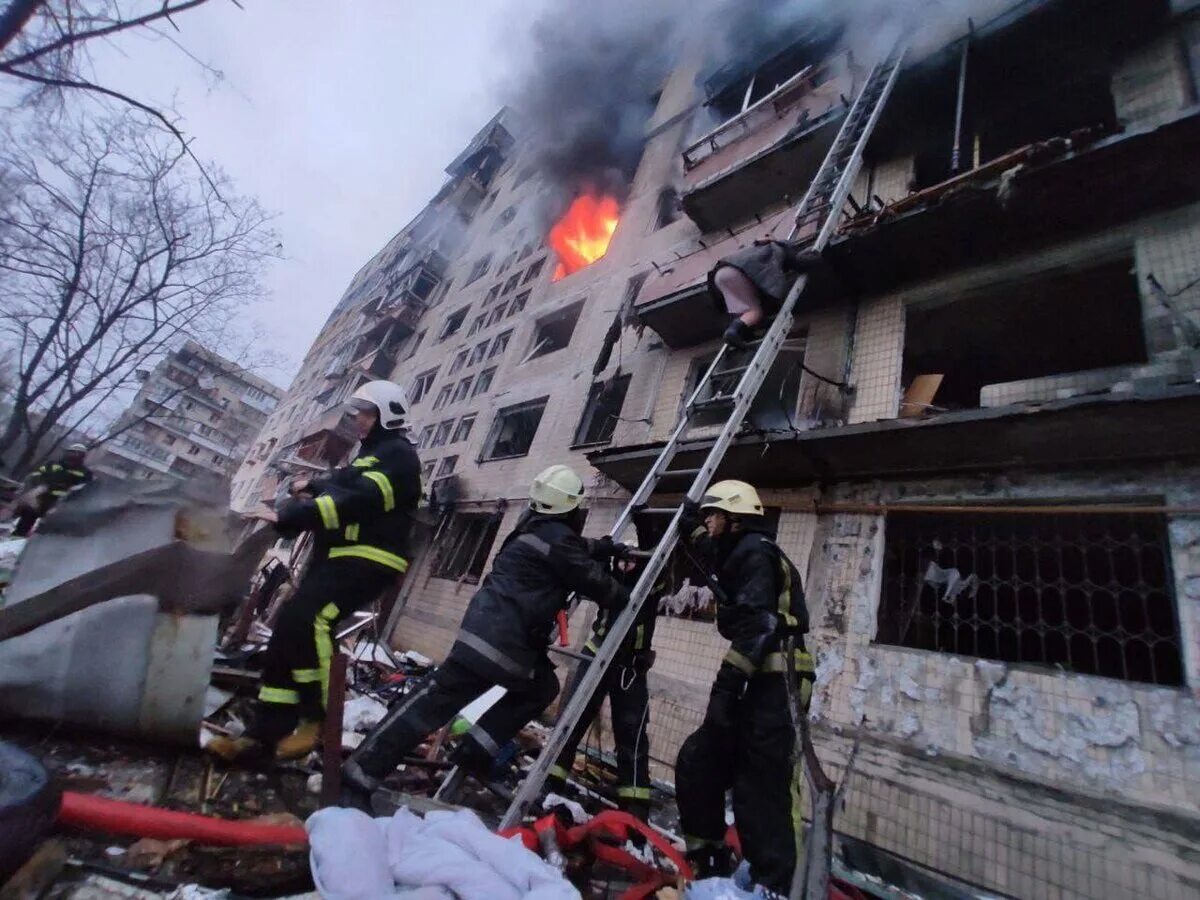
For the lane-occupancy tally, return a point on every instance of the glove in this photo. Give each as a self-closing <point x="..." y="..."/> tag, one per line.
<point x="690" y="520"/>
<point x="607" y="548"/>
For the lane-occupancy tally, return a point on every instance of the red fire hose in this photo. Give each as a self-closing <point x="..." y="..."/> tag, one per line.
<point x="120" y="817"/>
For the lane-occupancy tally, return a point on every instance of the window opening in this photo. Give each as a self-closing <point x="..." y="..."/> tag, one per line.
<point x="553" y="332"/>
<point x="466" y="546"/>
<point x="1088" y="593"/>
<point x="484" y="381"/>
<point x="518" y="304"/>
<point x="463" y="390"/>
<point x="463" y="431"/>
<point x="478" y="270"/>
<point x="602" y="411"/>
<point x="452" y="324"/>
<point x="500" y="344"/>
<point x="987" y="347"/>
<point x="513" y="431"/>
<point x="441" y="434"/>
<point x="534" y="271"/>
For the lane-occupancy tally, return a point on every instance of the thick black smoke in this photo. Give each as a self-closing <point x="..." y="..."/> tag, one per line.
<point x="589" y="73"/>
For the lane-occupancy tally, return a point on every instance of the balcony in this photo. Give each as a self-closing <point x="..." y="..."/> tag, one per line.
<point x="1143" y="424"/>
<point x="771" y="148"/>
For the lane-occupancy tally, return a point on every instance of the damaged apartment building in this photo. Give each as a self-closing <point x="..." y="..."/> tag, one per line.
<point x="979" y="445"/>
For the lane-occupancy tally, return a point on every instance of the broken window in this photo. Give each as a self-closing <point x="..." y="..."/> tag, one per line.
<point x="514" y="429"/>
<point x="776" y="405"/>
<point x="534" y="271"/>
<point x="985" y="350"/>
<point x="510" y="284"/>
<point x="553" y="332"/>
<point x="463" y="431"/>
<point x="460" y="361"/>
<point x="453" y="323"/>
<point x="478" y="352"/>
<point x="484" y="381"/>
<point x="602" y="411"/>
<point x="423" y="285"/>
<point x="477" y="324"/>
<point x="463" y="390"/>
<point x="465" y="546"/>
<point x="478" y="270"/>
<point x="1088" y="593"/>
<point x="500" y="344"/>
<point x="447" y="466"/>
<point x="443" y="396"/>
<point x="441" y="434"/>
<point x="518" y="304"/>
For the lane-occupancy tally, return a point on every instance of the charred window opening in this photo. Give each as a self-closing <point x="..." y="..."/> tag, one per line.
<point x="735" y="87"/>
<point x="534" y="271"/>
<point x="986" y="349"/>
<point x="1088" y="593"/>
<point x="774" y="407"/>
<point x="424" y="284"/>
<point x="478" y="270"/>
<point x="465" y="546"/>
<point x="602" y="411"/>
<point x="513" y="430"/>
<point x="553" y="332"/>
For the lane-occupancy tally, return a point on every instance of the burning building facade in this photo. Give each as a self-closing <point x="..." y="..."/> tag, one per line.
<point x="980" y="448"/>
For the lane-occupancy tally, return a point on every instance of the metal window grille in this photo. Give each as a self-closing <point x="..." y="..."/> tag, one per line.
<point x="1087" y="593"/>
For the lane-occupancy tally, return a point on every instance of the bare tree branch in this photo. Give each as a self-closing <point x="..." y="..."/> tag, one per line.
<point x="112" y="253"/>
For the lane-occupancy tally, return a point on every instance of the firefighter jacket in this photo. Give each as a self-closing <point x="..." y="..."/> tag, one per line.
<point x="364" y="510"/>
<point x="760" y="599"/>
<point x="641" y="636"/>
<point x="59" y="478"/>
<point x="508" y="623"/>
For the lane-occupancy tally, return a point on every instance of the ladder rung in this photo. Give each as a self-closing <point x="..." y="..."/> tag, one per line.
<point x="723" y="400"/>
<point x="679" y="473"/>
<point x="567" y="651"/>
<point x="659" y="510"/>
<point x="725" y="373"/>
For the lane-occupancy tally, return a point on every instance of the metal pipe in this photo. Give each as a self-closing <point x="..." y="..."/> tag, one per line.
<point x="956" y="152"/>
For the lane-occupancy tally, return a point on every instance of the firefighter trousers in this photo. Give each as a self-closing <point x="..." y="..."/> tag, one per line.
<point x="629" y="702"/>
<point x="444" y="694"/>
<point x="755" y="761"/>
<point x="295" y="674"/>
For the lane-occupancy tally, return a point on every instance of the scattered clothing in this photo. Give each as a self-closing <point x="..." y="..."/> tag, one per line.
<point x="445" y="856"/>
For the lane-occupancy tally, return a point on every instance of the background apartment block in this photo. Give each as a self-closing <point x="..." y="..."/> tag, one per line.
<point x="980" y="447"/>
<point x="194" y="416"/>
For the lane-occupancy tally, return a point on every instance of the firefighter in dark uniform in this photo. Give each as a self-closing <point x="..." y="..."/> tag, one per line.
<point x="746" y="741"/>
<point x="52" y="482"/>
<point x="361" y="516"/>
<point x="502" y="639"/>
<point x="628" y="698"/>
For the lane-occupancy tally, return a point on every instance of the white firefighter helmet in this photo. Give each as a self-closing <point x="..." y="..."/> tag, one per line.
<point x="556" y="490"/>
<point x="388" y="398"/>
<point x="77" y="448"/>
<point x="734" y="497"/>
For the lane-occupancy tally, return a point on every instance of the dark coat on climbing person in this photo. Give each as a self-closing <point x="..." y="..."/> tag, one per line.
<point x="772" y="267"/>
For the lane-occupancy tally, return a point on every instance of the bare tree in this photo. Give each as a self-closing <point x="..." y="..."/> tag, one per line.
<point x="112" y="251"/>
<point x="45" y="45"/>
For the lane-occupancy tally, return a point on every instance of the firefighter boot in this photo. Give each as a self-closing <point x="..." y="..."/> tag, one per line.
<point x="232" y="749"/>
<point x="300" y="742"/>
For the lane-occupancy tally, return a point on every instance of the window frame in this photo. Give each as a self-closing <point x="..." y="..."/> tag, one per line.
<point x="488" y="450"/>
<point x="590" y="408"/>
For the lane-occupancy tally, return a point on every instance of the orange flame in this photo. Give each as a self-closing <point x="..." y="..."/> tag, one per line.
<point x="581" y="236"/>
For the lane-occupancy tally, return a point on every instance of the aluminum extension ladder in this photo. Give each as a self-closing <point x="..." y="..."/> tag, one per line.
<point x="818" y="215"/>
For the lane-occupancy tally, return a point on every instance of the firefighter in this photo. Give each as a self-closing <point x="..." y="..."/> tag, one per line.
<point x="502" y="639"/>
<point x="745" y="743"/>
<point x="361" y="516"/>
<point x="624" y="684"/>
<point x="51" y="482"/>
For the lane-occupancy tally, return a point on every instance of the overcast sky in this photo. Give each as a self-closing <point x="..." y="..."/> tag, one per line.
<point x="340" y="115"/>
